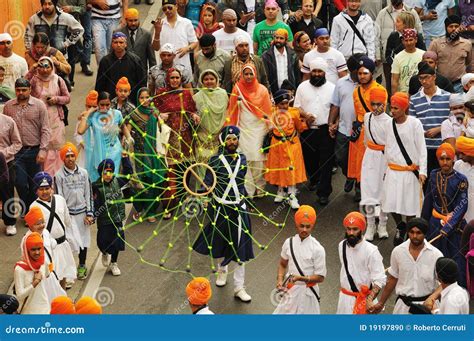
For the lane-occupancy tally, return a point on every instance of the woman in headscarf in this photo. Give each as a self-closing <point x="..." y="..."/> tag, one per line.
<point x="301" y="45"/>
<point x="40" y="47"/>
<point x="144" y="125"/>
<point x="28" y="275"/>
<point x="208" y="20"/>
<point x="250" y="109"/>
<point x="211" y="103"/>
<point x="178" y="110"/>
<point x="52" y="90"/>
<point x="102" y="126"/>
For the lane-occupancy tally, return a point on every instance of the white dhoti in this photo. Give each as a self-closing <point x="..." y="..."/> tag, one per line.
<point x="402" y="193"/>
<point x="81" y="232"/>
<point x="371" y="181"/>
<point x="63" y="261"/>
<point x="299" y="299"/>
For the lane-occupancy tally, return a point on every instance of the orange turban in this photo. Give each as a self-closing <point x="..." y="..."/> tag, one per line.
<point x="33" y="240"/>
<point x="91" y="99"/>
<point x="199" y="291"/>
<point x="131" y="13"/>
<point x="400" y="99"/>
<point x="30" y="241"/>
<point x="88" y="306"/>
<point x="355" y="219"/>
<point x="67" y="149"/>
<point x="305" y="214"/>
<point x="465" y="145"/>
<point x="62" y="305"/>
<point x="446" y="148"/>
<point x="282" y="32"/>
<point x="123" y="84"/>
<point x="378" y="95"/>
<point x="33" y="216"/>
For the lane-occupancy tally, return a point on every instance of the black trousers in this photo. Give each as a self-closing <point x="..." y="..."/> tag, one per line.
<point x="318" y="152"/>
<point x="341" y="152"/>
<point x="7" y="192"/>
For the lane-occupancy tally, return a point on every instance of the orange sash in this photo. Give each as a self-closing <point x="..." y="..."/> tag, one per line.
<point x="360" y="306"/>
<point x="395" y="167"/>
<point x="374" y="146"/>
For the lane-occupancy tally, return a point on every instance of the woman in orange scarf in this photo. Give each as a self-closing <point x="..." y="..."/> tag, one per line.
<point x="250" y="109"/>
<point x="29" y="273"/>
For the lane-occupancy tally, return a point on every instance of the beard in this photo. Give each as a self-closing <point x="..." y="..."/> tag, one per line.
<point x="317" y="81"/>
<point x="453" y="36"/>
<point x="278" y="45"/>
<point x="209" y="54"/>
<point x="353" y="240"/>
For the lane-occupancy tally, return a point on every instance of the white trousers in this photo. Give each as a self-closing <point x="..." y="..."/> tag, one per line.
<point x="239" y="275"/>
<point x="254" y="178"/>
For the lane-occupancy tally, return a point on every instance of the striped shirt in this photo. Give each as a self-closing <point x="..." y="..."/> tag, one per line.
<point x="112" y="13"/>
<point x="431" y="112"/>
<point x="75" y="186"/>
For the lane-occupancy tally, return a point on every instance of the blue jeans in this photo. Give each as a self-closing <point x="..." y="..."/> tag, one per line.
<point x="102" y="30"/>
<point x="87" y="39"/>
<point x="25" y="169"/>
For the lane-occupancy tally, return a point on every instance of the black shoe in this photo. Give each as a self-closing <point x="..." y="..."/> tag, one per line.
<point x="136" y="2"/>
<point x="334" y="170"/>
<point x="349" y="185"/>
<point x="87" y="70"/>
<point x="357" y="196"/>
<point x="323" y="201"/>
<point x="400" y="234"/>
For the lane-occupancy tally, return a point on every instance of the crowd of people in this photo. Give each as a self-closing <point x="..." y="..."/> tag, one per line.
<point x="275" y="93"/>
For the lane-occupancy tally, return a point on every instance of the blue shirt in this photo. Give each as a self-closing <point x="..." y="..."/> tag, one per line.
<point x="342" y="98"/>
<point x="435" y="28"/>
<point x="431" y="113"/>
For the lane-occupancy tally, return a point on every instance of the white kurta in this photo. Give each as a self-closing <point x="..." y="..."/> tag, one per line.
<point x="454" y="300"/>
<point x="467" y="170"/>
<point x="311" y="258"/>
<point x="63" y="259"/>
<point x="374" y="163"/>
<point x="252" y="133"/>
<point x="401" y="189"/>
<point x="37" y="301"/>
<point x="416" y="278"/>
<point x="365" y="265"/>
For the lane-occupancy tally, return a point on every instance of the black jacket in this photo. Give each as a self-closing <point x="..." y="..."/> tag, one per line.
<point x="269" y="60"/>
<point x="301" y="25"/>
<point x="259" y="7"/>
<point x="394" y="46"/>
<point x="441" y="82"/>
<point x="142" y="47"/>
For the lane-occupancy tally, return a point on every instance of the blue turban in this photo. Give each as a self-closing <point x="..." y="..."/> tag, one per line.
<point x="105" y="165"/>
<point x="228" y="130"/>
<point x="119" y="35"/>
<point x="42" y="179"/>
<point x="321" y="32"/>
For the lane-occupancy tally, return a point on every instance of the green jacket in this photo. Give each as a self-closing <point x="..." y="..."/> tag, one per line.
<point x="106" y="210"/>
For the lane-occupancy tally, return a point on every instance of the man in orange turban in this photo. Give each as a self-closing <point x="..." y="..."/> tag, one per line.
<point x="402" y="194"/>
<point x="199" y="293"/>
<point x="303" y="264"/>
<point x="465" y="149"/>
<point x="62" y="305"/>
<point x="131" y="13"/>
<point x="445" y="206"/>
<point x="374" y="164"/>
<point x="88" y="306"/>
<point x="364" y="270"/>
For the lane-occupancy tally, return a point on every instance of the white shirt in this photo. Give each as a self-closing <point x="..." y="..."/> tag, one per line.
<point x="333" y="57"/>
<point x="282" y="65"/>
<point x="315" y="101"/>
<point x="365" y="265"/>
<point x="310" y="255"/>
<point x="15" y="67"/>
<point x="467" y="170"/>
<point x="251" y="23"/>
<point x="416" y="278"/>
<point x="454" y="300"/>
<point x="225" y="40"/>
<point x="37" y="301"/>
<point x="451" y="128"/>
<point x="181" y="35"/>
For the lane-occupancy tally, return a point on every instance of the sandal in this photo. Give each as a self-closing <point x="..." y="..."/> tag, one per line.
<point x="136" y="216"/>
<point x="151" y="219"/>
<point x="167" y="216"/>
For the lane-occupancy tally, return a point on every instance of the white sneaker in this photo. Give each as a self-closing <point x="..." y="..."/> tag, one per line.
<point x="242" y="295"/>
<point x="370" y="232"/>
<point x="294" y="203"/>
<point x="280" y="196"/>
<point x="115" y="269"/>
<point x="382" y="231"/>
<point x="11" y="230"/>
<point x="106" y="260"/>
<point x="221" y="278"/>
<point x="69" y="284"/>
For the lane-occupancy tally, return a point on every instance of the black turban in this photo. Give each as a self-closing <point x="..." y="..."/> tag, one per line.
<point x="447" y="270"/>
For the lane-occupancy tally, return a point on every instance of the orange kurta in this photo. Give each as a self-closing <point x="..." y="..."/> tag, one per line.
<point x="285" y="161"/>
<point x="357" y="149"/>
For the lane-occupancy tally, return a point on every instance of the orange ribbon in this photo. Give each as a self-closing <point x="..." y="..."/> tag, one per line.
<point x="395" y="167"/>
<point x="375" y="146"/>
<point x="360" y="306"/>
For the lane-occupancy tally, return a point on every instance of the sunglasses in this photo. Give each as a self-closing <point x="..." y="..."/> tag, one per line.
<point x="167" y="8"/>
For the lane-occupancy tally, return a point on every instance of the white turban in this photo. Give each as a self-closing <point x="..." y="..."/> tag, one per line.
<point x="169" y="48"/>
<point x="318" y="63"/>
<point x="5" y="37"/>
<point x="240" y="39"/>
<point x="467" y="78"/>
<point x="456" y="99"/>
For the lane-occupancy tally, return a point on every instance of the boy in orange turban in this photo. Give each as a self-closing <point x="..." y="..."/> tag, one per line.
<point x="364" y="270"/>
<point x="374" y="164"/>
<point x="72" y="182"/>
<point x="121" y="102"/>
<point x="199" y="293"/>
<point x="303" y="262"/>
<point x="406" y="173"/>
<point x="445" y="205"/>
